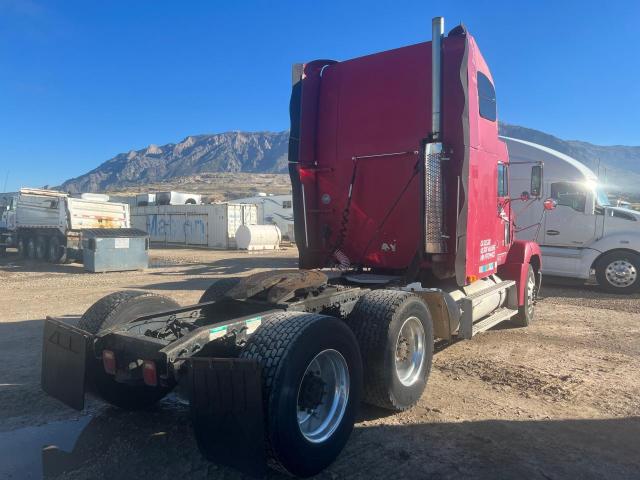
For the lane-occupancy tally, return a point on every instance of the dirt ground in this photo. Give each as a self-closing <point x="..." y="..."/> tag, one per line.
<point x="558" y="400"/>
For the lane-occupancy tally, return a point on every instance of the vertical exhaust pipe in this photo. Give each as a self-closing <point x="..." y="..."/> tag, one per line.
<point x="433" y="189"/>
<point x="437" y="32"/>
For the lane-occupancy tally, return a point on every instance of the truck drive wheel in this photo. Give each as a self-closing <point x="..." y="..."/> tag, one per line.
<point x="526" y="312"/>
<point x="55" y="251"/>
<point x="41" y="248"/>
<point x="395" y="334"/>
<point x="22" y="247"/>
<point x="31" y="248"/>
<point x="117" y="309"/>
<point x="312" y="382"/>
<point x="619" y="272"/>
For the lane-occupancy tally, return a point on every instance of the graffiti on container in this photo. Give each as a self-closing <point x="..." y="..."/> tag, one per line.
<point x="194" y="228"/>
<point x="158" y="226"/>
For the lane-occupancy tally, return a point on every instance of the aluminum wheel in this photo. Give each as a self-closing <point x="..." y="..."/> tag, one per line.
<point x="323" y="395"/>
<point x="531" y="290"/>
<point x="410" y="346"/>
<point x="621" y="273"/>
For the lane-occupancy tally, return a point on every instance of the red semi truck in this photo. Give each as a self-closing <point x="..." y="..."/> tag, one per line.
<point x="400" y="180"/>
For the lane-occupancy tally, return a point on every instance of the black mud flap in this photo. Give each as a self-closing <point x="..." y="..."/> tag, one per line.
<point x="226" y="410"/>
<point x="64" y="361"/>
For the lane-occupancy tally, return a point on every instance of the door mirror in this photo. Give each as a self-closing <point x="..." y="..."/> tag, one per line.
<point x="536" y="181"/>
<point x="550" y="204"/>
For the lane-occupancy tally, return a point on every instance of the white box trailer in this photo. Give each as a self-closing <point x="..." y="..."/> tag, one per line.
<point x="49" y="225"/>
<point x="584" y="236"/>
<point x="212" y="225"/>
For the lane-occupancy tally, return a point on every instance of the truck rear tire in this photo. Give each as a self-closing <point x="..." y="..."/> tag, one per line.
<point x="22" y="247"/>
<point x="526" y="313"/>
<point x="619" y="272"/>
<point x="395" y="334"/>
<point x="312" y="383"/>
<point x="41" y="248"/>
<point x="55" y="251"/>
<point x="116" y="309"/>
<point x="31" y="248"/>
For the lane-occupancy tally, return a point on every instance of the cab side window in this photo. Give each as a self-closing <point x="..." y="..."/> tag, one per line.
<point x="486" y="98"/>
<point x="503" y="180"/>
<point x="569" y="194"/>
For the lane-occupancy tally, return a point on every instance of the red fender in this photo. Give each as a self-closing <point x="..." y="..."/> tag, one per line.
<point x="521" y="254"/>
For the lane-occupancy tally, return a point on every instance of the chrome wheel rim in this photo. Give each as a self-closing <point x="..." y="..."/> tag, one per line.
<point x="409" y="353"/>
<point x="531" y="288"/>
<point x="621" y="273"/>
<point x="323" y="394"/>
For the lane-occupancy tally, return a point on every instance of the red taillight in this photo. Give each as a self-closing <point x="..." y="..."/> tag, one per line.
<point x="306" y="173"/>
<point x="149" y="373"/>
<point x="109" y="362"/>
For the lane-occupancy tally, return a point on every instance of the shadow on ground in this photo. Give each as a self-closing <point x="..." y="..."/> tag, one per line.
<point x="215" y="270"/>
<point x="13" y="263"/>
<point x="159" y="445"/>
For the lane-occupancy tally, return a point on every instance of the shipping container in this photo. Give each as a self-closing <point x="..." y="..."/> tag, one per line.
<point x="212" y="226"/>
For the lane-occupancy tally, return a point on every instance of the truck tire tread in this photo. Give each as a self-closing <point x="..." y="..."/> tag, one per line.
<point x="270" y="346"/>
<point x="370" y="321"/>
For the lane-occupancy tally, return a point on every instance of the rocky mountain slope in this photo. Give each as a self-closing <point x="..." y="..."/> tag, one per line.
<point x="251" y="152"/>
<point x="266" y="152"/>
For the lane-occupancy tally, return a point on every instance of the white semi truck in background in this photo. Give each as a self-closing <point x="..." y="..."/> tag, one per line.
<point x="584" y="237"/>
<point x="50" y="225"/>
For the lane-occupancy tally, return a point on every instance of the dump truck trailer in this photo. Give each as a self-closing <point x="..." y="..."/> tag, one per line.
<point x="405" y="235"/>
<point x="53" y="226"/>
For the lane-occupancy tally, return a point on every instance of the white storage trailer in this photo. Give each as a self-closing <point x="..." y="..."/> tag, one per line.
<point x="584" y="237"/>
<point x="49" y="225"/>
<point x="212" y="226"/>
<point x="274" y="210"/>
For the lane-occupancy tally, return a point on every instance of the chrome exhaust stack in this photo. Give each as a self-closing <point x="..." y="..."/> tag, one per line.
<point x="437" y="33"/>
<point x="433" y="188"/>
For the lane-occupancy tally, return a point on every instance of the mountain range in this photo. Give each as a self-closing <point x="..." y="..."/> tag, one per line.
<point x="266" y="152"/>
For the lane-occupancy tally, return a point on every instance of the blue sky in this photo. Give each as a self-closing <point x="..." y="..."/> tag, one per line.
<point x="81" y="81"/>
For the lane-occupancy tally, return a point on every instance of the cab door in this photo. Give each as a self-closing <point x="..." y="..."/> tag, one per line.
<point x="573" y="222"/>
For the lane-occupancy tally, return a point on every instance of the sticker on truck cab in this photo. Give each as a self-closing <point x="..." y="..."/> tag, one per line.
<point x="487" y="268"/>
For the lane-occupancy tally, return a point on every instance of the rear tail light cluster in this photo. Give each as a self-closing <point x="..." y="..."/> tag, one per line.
<point x="149" y="370"/>
<point x="109" y="362"/>
<point x="149" y="373"/>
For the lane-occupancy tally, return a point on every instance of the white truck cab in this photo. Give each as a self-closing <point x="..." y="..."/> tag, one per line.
<point x="584" y="235"/>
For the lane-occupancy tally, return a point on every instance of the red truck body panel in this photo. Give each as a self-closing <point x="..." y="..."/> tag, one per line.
<point x="361" y="125"/>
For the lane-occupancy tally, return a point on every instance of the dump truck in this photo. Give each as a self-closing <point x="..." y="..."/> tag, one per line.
<point x="8" y="202"/>
<point x="405" y="235"/>
<point x="53" y="226"/>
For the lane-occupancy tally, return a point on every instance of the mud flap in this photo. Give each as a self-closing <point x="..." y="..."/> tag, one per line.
<point x="64" y="361"/>
<point x="226" y="411"/>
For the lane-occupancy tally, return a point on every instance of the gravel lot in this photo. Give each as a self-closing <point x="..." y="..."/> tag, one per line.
<point x="560" y="399"/>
